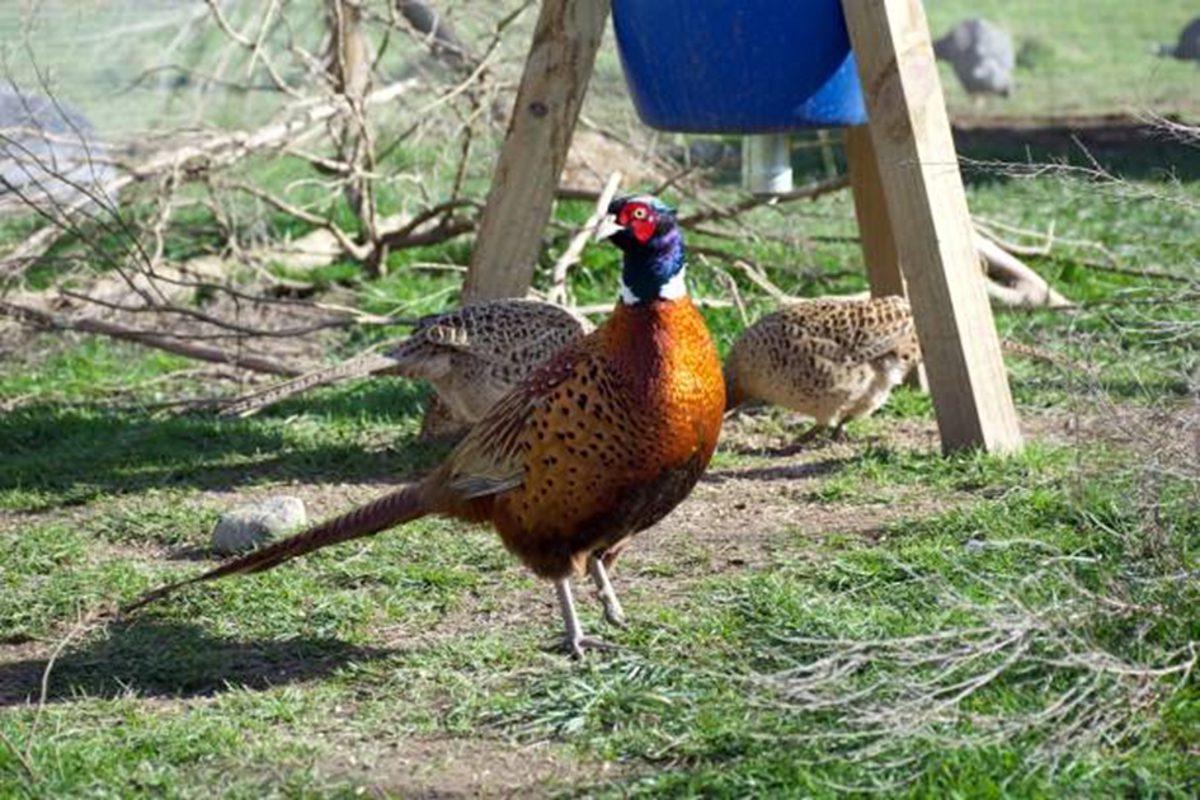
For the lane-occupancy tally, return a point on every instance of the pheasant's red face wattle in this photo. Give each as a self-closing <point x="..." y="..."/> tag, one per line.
<point x="640" y="219"/>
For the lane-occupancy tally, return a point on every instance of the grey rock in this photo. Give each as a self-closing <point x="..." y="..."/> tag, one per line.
<point x="1188" y="46"/>
<point x="254" y="524"/>
<point x="981" y="54"/>
<point x="50" y="155"/>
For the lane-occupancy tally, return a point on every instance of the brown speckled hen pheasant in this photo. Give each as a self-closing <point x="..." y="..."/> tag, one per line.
<point x="472" y="356"/>
<point x="600" y="442"/>
<point x="831" y="359"/>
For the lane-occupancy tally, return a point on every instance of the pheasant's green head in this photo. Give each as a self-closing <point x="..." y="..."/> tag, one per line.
<point x="645" y="228"/>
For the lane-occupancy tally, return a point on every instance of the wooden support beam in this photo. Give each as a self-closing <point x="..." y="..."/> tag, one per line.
<point x="931" y="225"/>
<point x="557" y="71"/>
<point x="880" y="256"/>
<point x="870" y="208"/>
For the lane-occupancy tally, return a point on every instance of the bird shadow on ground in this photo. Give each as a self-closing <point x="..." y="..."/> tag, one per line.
<point x="196" y="554"/>
<point x="778" y="472"/>
<point x="149" y="658"/>
<point x="71" y="454"/>
<point x="780" y="451"/>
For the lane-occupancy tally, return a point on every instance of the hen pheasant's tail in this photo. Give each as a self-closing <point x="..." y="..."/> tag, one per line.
<point x="357" y="367"/>
<point x="388" y="511"/>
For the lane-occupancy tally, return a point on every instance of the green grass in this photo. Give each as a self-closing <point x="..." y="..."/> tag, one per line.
<point x="259" y="686"/>
<point x="1067" y="571"/>
<point x="60" y="454"/>
<point x="689" y="706"/>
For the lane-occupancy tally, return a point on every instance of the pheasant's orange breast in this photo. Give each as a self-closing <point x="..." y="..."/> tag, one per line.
<point x="628" y="420"/>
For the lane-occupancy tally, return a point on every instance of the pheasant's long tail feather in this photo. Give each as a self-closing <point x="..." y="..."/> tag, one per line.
<point x="388" y="511"/>
<point x="357" y="367"/>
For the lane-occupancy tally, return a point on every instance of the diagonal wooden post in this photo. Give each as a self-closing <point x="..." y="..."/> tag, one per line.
<point x="870" y="210"/>
<point x="875" y="225"/>
<point x="557" y="71"/>
<point x="931" y="225"/>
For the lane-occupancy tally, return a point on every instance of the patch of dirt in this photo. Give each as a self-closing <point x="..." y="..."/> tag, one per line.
<point x="441" y="767"/>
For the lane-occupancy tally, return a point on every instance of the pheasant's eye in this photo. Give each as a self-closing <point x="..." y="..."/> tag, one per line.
<point x="639" y="213"/>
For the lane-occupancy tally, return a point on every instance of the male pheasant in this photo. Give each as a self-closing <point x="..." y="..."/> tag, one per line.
<point x="600" y="442"/>
<point x="472" y="356"/>
<point x="832" y="359"/>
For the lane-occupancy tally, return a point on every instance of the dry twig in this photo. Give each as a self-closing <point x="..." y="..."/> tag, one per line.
<point x="570" y="256"/>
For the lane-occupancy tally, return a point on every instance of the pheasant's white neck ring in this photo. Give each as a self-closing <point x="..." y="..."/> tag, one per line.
<point x="673" y="289"/>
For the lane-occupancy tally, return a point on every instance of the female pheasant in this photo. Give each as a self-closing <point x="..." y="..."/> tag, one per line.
<point x="601" y="442"/>
<point x="472" y="356"/>
<point x="832" y="359"/>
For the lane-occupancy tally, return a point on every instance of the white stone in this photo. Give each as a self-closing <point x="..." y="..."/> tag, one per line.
<point x="256" y="523"/>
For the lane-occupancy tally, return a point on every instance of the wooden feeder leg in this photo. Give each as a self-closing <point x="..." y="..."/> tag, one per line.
<point x="930" y="224"/>
<point x="870" y="208"/>
<point x="875" y="226"/>
<point x="557" y="70"/>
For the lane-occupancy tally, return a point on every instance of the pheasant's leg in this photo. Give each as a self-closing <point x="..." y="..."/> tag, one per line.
<point x="812" y="433"/>
<point x="574" y="641"/>
<point x="839" y="431"/>
<point x="612" y="606"/>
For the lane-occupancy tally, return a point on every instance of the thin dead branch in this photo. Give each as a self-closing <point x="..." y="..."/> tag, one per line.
<point x="812" y="192"/>
<point x="558" y="275"/>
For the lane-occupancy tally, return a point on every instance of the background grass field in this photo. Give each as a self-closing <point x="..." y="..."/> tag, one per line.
<point x="862" y="617"/>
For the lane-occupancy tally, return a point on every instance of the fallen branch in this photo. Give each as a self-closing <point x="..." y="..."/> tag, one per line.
<point x="753" y="271"/>
<point x="1013" y="283"/>
<point x="49" y="320"/>
<point x="985" y="228"/>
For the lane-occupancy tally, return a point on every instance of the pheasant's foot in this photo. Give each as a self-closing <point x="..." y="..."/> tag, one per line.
<point x="615" y="616"/>
<point x="811" y="434"/>
<point x="574" y="640"/>
<point x="577" y="647"/>
<point x="613" y="613"/>
<point x="798" y="445"/>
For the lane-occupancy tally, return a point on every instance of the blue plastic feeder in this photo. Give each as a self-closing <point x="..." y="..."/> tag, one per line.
<point x="738" y="66"/>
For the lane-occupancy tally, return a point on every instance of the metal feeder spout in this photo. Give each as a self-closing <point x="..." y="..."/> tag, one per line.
<point x="766" y="164"/>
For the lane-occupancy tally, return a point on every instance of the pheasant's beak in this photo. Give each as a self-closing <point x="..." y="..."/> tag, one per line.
<point x="608" y="227"/>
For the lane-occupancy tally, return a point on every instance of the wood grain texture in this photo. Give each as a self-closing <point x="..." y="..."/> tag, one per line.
<point x="927" y="207"/>
<point x="870" y="209"/>
<point x="552" y="89"/>
<point x="875" y="227"/>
